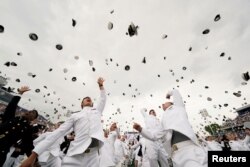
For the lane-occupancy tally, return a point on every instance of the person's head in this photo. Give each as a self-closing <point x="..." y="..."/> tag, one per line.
<point x="122" y="138"/>
<point x="152" y="112"/>
<point x="113" y="127"/>
<point x="30" y="115"/>
<point x="209" y="138"/>
<point x="247" y="128"/>
<point x="86" y="101"/>
<point x="166" y="105"/>
<point x="231" y="136"/>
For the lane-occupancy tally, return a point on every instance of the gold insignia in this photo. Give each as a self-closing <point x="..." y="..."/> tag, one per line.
<point x="174" y="148"/>
<point x="87" y="151"/>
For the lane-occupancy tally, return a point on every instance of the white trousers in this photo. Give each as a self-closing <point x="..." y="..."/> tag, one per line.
<point x="156" y="153"/>
<point x="189" y="155"/>
<point x="52" y="162"/>
<point x="90" y="159"/>
<point x="145" y="161"/>
<point x="9" y="160"/>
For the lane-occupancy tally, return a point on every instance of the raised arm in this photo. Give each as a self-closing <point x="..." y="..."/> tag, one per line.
<point x="149" y="134"/>
<point x="40" y="138"/>
<point x="144" y="112"/>
<point x="48" y="141"/>
<point x="177" y="98"/>
<point x="10" y="110"/>
<point x="102" y="100"/>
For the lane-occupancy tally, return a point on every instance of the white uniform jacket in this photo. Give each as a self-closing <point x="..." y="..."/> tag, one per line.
<point x="246" y="142"/>
<point x="86" y="125"/>
<point x="174" y="118"/>
<point x="213" y="146"/>
<point x="54" y="149"/>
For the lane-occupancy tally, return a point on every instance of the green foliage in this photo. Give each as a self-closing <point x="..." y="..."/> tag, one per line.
<point x="212" y="128"/>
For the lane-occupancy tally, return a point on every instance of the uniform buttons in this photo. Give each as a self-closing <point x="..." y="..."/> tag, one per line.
<point x="18" y="124"/>
<point x="14" y="128"/>
<point x="6" y="132"/>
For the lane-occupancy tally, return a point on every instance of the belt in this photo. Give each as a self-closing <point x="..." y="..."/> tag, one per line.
<point x="89" y="150"/>
<point x="180" y="145"/>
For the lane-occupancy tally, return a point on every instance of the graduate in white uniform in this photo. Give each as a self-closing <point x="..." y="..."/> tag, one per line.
<point x="107" y="152"/>
<point x="83" y="150"/>
<point x="246" y="141"/>
<point x="121" y="151"/>
<point x="50" y="157"/>
<point x="154" y="149"/>
<point x="236" y="145"/>
<point x="212" y="144"/>
<point x="178" y="133"/>
<point x="140" y="153"/>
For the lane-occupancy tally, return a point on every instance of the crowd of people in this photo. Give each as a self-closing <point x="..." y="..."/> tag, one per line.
<point x="80" y="141"/>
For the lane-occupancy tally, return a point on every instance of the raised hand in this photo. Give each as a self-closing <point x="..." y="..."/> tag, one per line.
<point x="137" y="127"/>
<point x="23" y="89"/>
<point x="100" y="81"/>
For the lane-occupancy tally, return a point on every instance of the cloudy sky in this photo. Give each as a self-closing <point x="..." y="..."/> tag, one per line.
<point x="183" y="21"/>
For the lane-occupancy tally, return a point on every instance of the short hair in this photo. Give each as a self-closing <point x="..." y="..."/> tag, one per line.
<point x="36" y="112"/>
<point x="86" y="98"/>
<point x="151" y="110"/>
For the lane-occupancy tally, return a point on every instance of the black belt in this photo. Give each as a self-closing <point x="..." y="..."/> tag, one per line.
<point x="178" y="137"/>
<point x="88" y="150"/>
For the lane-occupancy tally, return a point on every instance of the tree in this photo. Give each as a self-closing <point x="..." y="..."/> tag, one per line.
<point x="212" y="128"/>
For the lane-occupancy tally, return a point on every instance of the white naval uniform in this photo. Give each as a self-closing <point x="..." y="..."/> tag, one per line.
<point x="154" y="149"/>
<point x="107" y="152"/>
<point x="237" y="145"/>
<point x="189" y="153"/>
<point x="246" y="142"/>
<point x="86" y="125"/>
<point x="213" y="146"/>
<point x="50" y="157"/>
<point x="121" y="151"/>
<point x="145" y="161"/>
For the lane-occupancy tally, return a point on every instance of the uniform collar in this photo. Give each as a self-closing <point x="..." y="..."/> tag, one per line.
<point x="86" y="108"/>
<point x="169" y="107"/>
